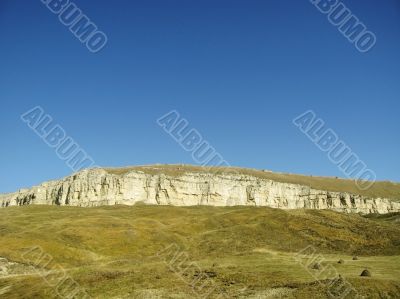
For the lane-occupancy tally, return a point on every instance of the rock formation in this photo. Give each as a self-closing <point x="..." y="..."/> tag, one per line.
<point x="95" y="187"/>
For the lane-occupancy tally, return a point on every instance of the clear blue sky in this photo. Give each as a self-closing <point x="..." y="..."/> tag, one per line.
<point x="239" y="71"/>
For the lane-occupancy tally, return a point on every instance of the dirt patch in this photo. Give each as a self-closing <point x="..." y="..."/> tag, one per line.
<point x="10" y="268"/>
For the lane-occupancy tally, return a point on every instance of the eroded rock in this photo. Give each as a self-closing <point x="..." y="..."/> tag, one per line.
<point x="98" y="187"/>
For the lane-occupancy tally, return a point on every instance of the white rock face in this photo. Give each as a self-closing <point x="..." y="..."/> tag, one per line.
<point x="97" y="187"/>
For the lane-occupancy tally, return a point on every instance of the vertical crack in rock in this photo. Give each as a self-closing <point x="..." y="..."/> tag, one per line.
<point x="158" y="188"/>
<point x="329" y="201"/>
<point x="250" y="194"/>
<point x="119" y="187"/>
<point x="104" y="187"/>
<point x="147" y="187"/>
<point x="342" y="200"/>
<point x="352" y="201"/>
<point x="205" y="193"/>
<point x="160" y="191"/>
<point x="24" y="200"/>
<point x="58" y="196"/>
<point x="67" y="198"/>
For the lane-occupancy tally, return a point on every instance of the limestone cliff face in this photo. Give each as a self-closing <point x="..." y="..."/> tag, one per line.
<point x="97" y="187"/>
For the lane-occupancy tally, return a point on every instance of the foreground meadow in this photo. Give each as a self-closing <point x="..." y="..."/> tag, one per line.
<point x="188" y="252"/>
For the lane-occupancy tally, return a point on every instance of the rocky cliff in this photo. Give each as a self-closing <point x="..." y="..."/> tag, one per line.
<point x="97" y="187"/>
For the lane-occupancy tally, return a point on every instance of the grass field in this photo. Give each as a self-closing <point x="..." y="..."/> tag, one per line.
<point x="189" y="252"/>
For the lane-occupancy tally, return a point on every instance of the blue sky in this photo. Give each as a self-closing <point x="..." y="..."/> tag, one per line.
<point x="238" y="71"/>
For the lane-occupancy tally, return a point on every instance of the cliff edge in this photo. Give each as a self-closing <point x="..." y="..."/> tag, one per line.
<point x="182" y="185"/>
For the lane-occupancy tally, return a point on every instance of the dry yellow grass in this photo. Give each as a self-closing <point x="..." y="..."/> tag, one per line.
<point x="113" y="252"/>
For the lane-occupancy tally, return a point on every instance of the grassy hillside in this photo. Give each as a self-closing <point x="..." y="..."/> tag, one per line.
<point x="242" y="252"/>
<point x="378" y="189"/>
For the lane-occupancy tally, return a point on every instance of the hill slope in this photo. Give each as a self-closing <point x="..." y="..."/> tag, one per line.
<point x="241" y="252"/>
